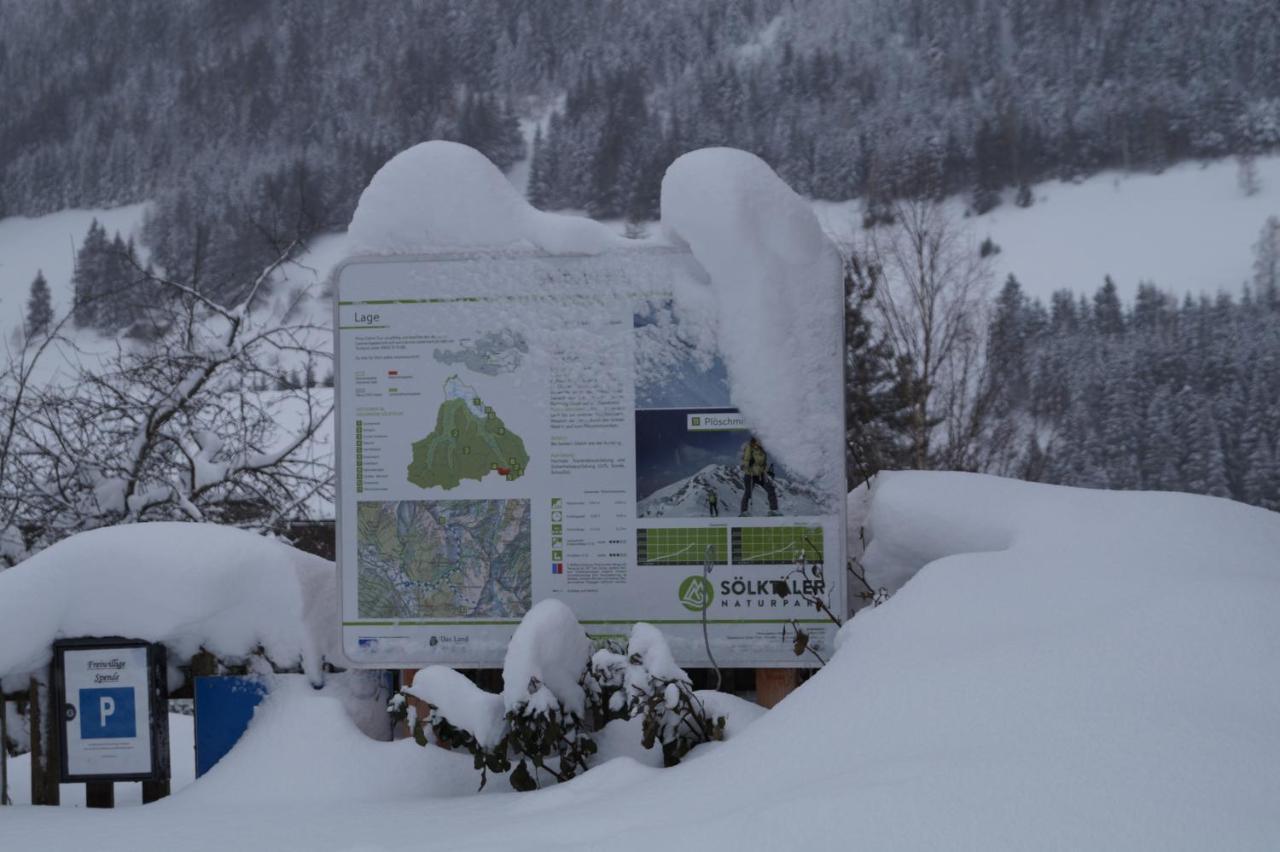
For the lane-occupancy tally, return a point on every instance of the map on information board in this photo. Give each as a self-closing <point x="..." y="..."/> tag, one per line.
<point x="470" y="441"/>
<point x="445" y="558"/>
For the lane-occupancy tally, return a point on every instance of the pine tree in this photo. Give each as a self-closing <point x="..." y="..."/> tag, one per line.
<point x="39" y="307"/>
<point x="1266" y="264"/>
<point x="90" y="276"/>
<point x="541" y="177"/>
<point x="878" y="389"/>
<point x="1108" y="315"/>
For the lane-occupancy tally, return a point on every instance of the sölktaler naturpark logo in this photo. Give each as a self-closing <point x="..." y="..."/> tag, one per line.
<point x="696" y="593"/>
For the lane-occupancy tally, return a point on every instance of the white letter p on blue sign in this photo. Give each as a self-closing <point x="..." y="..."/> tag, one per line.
<point x="106" y="707"/>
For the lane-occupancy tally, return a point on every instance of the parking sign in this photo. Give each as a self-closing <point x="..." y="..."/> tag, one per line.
<point x="115" y="713"/>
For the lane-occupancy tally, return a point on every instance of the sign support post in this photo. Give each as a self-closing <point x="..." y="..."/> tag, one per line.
<point x="44" y="750"/>
<point x="4" y="752"/>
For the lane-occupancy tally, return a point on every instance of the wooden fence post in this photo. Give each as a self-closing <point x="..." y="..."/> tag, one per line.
<point x="773" y="685"/>
<point x="45" y="769"/>
<point x="4" y="751"/>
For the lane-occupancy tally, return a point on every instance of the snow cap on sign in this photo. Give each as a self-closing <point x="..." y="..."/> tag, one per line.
<point x="445" y="195"/>
<point x="773" y="292"/>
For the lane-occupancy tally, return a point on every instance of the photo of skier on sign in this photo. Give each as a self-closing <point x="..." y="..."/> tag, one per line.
<point x="756" y="470"/>
<point x="713" y="504"/>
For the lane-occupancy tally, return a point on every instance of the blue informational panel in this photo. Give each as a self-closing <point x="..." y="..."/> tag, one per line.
<point x="224" y="707"/>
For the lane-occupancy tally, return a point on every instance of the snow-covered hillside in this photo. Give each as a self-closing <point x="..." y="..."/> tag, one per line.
<point x="49" y="244"/>
<point x="1189" y="229"/>
<point x="1066" y="669"/>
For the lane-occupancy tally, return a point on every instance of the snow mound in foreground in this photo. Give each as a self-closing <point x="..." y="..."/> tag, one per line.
<point x="186" y="585"/>
<point x="1067" y="669"/>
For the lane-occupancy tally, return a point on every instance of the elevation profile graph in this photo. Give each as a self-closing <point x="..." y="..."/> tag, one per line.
<point x="776" y="545"/>
<point x="681" y="545"/>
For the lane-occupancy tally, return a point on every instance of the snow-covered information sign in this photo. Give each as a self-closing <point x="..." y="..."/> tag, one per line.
<point x="518" y="426"/>
<point x="108" y="729"/>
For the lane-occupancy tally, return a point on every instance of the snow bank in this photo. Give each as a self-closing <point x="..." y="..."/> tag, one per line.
<point x="302" y="746"/>
<point x="773" y="290"/>
<point x="445" y="195"/>
<point x="186" y="585"/>
<point x="1067" y="669"/>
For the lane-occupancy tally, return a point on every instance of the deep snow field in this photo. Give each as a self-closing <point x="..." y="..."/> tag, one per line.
<point x="1064" y="669"/>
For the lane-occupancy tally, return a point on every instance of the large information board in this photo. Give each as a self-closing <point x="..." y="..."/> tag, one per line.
<point x="516" y="426"/>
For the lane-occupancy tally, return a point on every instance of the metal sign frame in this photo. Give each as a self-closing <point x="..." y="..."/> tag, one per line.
<point x="446" y="256"/>
<point x="158" y="705"/>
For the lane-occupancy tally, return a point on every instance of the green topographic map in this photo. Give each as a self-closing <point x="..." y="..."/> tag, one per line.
<point x="469" y="441"/>
<point x="443" y="559"/>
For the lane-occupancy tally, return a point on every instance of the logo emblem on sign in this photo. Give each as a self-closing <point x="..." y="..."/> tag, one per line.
<point x="696" y="593"/>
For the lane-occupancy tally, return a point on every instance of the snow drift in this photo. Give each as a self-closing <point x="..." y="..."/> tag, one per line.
<point x="1066" y="669"/>
<point x="186" y="585"/>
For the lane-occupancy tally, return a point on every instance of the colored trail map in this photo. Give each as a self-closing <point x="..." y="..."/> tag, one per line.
<point x="444" y="559"/>
<point x="469" y="441"/>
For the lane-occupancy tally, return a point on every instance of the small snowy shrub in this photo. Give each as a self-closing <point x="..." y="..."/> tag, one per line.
<point x="647" y="683"/>
<point x="555" y="693"/>
<point x="605" y="684"/>
<point x="537" y="725"/>
<point x="545" y="735"/>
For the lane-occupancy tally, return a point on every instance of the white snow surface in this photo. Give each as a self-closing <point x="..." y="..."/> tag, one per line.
<point x="186" y="585"/>
<point x="773" y="288"/>
<point x="1066" y="669"/>
<point x="446" y="195"/>
<point x="551" y="648"/>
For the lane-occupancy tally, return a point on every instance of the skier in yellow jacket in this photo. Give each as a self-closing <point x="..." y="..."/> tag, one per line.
<point x="756" y="470"/>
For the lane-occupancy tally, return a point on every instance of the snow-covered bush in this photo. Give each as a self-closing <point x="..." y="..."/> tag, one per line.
<point x="555" y="695"/>
<point x="661" y="694"/>
<point x="537" y="725"/>
<point x="542" y="691"/>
